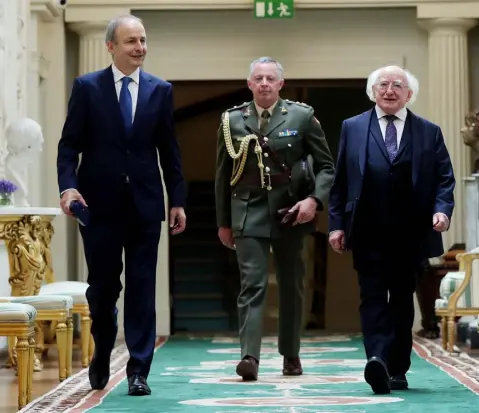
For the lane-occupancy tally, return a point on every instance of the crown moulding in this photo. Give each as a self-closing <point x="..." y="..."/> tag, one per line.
<point x="248" y="4"/>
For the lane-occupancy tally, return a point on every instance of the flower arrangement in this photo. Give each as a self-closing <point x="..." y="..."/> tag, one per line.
<point x="7" y="189"/>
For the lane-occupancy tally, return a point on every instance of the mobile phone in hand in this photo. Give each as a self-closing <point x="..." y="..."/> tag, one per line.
<point x="80" y="212"/>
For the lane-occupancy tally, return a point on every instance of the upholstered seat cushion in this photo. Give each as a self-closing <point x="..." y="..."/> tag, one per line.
<point x="449" y="284"/>
<point x="74" y="289"/>
<point x="43" y="302"/>
<point x="16" y="313"/>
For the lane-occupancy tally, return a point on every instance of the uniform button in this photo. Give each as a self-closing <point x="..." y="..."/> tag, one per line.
<point x="265" y="139"/>
<point x="266" y="154"/>
<point x="289" y="145"/>
<point x="267" y="169"/>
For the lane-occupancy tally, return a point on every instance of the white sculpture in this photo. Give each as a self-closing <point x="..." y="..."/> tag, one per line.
<point x="24" y="143"/>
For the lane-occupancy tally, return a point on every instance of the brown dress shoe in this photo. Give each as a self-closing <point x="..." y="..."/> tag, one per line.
<point x="248" y="368"/>
<point x="292" y="366"/>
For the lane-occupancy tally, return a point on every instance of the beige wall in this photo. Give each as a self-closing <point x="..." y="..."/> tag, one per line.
<point x="319" y="43"/>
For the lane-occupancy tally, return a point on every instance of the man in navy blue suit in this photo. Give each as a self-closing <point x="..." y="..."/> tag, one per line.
<point x="391" y="198"/>
<point x="120" y="119"/>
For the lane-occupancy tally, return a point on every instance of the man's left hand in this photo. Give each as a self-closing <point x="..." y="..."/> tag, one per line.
<point x="440" y="222"/>
<point x="177" y="220"/>
<point x="306" y="210"/>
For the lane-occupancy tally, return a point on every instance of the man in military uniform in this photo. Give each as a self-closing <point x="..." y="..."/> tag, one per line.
<point x="274" y="171"/>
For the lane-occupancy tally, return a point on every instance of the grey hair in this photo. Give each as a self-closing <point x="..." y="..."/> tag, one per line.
<point x="266" y="59"/>
<point x="113" y="24"/>
<point x="413" y="83"/>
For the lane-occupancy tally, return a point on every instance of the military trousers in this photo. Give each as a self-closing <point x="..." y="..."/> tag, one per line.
<point x="253" y="258"/>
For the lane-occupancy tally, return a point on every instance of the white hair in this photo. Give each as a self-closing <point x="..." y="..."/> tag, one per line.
<point x="266" y="59"/>
<point x="413" y="83"/>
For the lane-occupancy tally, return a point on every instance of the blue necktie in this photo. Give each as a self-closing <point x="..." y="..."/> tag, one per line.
<point x="126" y="105"/>
<point x="391" y="137"/>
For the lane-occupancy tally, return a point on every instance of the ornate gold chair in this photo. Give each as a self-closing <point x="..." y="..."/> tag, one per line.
<point x="18" y="320"/>
<point x="77" y="291"/>
<point x="457" y="298"/>
<point x="58" y="310"/>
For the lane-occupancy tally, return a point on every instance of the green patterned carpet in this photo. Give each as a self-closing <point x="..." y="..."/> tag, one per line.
<point x="195" y="375"/>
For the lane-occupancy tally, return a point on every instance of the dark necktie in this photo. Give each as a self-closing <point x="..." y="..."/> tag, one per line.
<point x="264" y="120"/>
<point x="390" y="139"/>
<point x="126" y="105"/>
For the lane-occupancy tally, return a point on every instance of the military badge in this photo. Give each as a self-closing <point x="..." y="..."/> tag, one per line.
<point x="287" y="132"/>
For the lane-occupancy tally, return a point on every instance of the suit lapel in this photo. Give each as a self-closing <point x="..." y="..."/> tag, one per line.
<point x="377" y="134"/>
<point x="277" y="118"/>
<point x="363" y="133"/>
<point x="251" y="118"/>
<point x="144" y="92"/>
<point x="111" y="98"/>
<point x="418" y="132"/>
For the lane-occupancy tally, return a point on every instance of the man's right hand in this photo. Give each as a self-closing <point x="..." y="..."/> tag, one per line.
<point x="68" y="197"/>
<point x="226" y="237"/>
<point x="336" y="240"/>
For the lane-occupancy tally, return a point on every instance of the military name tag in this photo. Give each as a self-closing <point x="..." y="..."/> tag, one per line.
<point x="287" y="132"/>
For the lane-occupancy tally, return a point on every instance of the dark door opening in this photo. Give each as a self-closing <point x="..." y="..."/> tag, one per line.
<point x="204" y="278"/>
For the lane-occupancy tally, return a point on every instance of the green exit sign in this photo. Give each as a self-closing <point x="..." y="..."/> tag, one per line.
<point x="274" y="9"/>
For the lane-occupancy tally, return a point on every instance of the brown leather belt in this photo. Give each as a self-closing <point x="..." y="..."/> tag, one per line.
<point x="255" y="180"/>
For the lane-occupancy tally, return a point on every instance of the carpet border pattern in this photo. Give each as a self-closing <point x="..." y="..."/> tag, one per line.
<point x="74" y="395"/>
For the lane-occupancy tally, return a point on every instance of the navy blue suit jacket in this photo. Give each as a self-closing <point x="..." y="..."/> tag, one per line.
<point x="94" y="129"/>
<point x="432" y="176"/>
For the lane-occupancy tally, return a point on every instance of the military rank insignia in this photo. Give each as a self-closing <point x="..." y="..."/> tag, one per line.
<point x="287" y="132"/>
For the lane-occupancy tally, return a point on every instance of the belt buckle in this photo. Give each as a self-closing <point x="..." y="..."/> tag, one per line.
<point x="268" y="183"/>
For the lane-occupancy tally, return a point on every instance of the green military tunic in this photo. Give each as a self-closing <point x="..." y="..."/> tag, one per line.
<point x="250" y="210"/>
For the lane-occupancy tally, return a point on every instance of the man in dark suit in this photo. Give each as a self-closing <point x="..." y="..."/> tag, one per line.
<point x="391" y="198"/>
<point x="119" y="119"/>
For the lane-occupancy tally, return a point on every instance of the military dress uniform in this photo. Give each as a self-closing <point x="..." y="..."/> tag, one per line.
<point x="256" y="156"/>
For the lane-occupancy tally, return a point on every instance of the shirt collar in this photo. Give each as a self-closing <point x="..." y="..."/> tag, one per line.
<point x="260" y="110"/>
<point x="401" y="114"/>
<point x="118" y="74"/>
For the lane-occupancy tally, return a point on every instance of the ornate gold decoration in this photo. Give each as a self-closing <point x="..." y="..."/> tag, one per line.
<point x="238" y="167"/>
<point x="27" y="240"/>
<point x="470" y="135"/>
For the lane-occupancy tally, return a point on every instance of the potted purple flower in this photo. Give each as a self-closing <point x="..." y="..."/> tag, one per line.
<point x="7" y="189"/>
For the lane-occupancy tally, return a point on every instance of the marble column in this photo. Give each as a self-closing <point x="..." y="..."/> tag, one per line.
<point x="93" y="52"/>
<point x="448" y="92"/>
<point x="14" y="18"/>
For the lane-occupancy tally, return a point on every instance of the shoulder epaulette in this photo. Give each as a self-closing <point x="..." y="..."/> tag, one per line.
<point x="290" y="102"/>
<point x="238" y="107"/>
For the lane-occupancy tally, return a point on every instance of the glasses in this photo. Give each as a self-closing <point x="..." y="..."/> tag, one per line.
<point x="394" y="85"/>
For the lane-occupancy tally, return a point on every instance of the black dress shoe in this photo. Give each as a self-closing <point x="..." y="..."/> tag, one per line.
<point x="399" y="382"/>
<point x="137" y="386"/>
<point x="377" y="376"/>
<point x="99" y="371"/>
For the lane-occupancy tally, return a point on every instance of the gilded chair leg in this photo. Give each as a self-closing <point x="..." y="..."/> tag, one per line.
<point x="444" y="332"/>
<point x="62" y="345"/>
<point x="69" y="350"/>
<point x="91" y="348"/>
<point x="85" y="339"/>
<point x="451" y="334"/>
<point x="31" y="360"/>
<point x="23" y="363"/>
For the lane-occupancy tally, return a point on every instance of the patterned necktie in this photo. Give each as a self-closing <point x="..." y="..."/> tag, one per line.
<point x="391" y="137"/>
<point x="264" y="119"/>
<point x="126" y="105"/>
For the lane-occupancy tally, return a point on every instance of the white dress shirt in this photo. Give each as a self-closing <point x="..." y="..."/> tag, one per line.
<point x="398" y="122"/>
<point x="132" y="86"/>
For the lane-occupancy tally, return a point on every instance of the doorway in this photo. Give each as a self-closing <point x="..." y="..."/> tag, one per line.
<point x="204" y="278"/>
